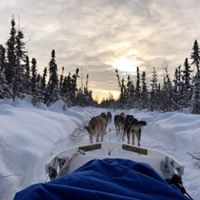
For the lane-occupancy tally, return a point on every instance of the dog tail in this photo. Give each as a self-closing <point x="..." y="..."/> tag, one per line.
<point x="142" y="123"/>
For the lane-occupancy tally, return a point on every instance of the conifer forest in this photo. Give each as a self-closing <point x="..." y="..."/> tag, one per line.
<point x="19" y="77"/>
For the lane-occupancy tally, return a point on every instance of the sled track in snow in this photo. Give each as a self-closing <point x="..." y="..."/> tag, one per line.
<point x="78" y="136"/>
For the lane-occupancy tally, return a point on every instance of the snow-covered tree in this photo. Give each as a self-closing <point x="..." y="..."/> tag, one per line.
<point x="153" y="92"/>
<point x="195" y="102"/>
<point x="27" y="67"/>
<point x="166" y="96"/>
<point x="38" y="95"/>
<point x="43" y="81"/>
<point x="61" y="80"/>
<point x="33" y="75"/>
<point x="2" y="58"/>
<point x="176" y="88"/>
<point x="5" y="91"/>
<point x="186" y="84"/>
<point x="195" y="55"/>
<point x="137" y="88"/>
<point x="186" y="74"/>
<point x="20" y="46"/>
<point x="52" y="92"/>
<point x="144" y="91"/>
<point x="10" y="69"/>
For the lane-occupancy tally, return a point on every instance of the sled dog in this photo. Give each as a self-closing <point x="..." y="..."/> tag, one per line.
<point x="133" y="129"/>
<point x="109" y="117"/>
<point x="104" y="122"/>
<point x="97" y="127"/>
<point x="127" y="122"/>
<point x="119" y="123"/>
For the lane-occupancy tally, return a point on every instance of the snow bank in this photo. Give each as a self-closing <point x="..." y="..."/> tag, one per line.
<point x="27" y="137"/>
<point x="176" y="134"/>
<point x="180" y="129"/>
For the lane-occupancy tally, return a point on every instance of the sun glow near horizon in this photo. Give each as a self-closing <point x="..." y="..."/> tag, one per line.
<point x="126" y="65"/>
<point x="100" y="94"/>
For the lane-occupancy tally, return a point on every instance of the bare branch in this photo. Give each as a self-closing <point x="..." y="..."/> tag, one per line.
<point x="194" y="157"/>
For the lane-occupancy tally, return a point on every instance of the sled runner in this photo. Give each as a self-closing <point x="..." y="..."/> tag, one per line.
<point x="110" y="171"/>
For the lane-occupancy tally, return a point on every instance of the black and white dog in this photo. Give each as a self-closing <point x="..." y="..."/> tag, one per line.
<point x="132" y="128"/>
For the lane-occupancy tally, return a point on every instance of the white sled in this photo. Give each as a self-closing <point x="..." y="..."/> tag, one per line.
<point x="70" y="159"/>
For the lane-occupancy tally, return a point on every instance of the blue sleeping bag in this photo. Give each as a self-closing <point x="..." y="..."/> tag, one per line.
<point x="107" y="179"/>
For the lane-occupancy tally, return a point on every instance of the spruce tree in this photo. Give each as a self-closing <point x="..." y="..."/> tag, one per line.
<point x="33" y="75"/>
<point x="52" y="88"/>
<point x="196" y="80"/>
<point x="178" y="78"/>
<point x="137" y="89"/>
<point x="20" y="46"/>
<point x="5" y="91"/>
<point x="38" y="96"/>
<point x="144" y="91"/>
<point x="10" y="69"/>
<point x="27" y="68"/>
<point x="186" y="74"/>
<point x="66" y="90"/>
<point x="167" y="93"/>
<point x="186" y="86"/>
<point x="176" y="89"/>
<point x="86" y="83"/>
<point x="61" y="80"/>
<point x="74" y="86"/>
<point x="2" y="58"/>
<point x="130" y="89"/>
<point x="43" y="82"/>
<point x="195" y="55"/>
<point x="14" y="69"/>
<point x="153" y="93"/>
<point x="118" y="78"/>
<point x="195" y="101"/>
<point x="123" y="93"/>
<point x="27" y="76"/>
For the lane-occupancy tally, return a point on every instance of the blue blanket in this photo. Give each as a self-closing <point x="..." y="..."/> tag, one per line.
<point x="108" y="179"/>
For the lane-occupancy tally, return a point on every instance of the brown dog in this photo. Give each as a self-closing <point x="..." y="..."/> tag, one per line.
<point x="97" y="127"/>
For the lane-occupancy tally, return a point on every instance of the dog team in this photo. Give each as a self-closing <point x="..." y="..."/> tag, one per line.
<point x="125" y="125"/>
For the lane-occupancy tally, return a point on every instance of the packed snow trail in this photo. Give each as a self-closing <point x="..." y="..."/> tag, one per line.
<point x="30" y="136"/>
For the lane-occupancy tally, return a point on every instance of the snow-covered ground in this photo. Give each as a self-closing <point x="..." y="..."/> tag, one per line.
<point x="29" y="136"/>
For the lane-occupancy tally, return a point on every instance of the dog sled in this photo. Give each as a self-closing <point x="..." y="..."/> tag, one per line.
<point x="110" y="171"/>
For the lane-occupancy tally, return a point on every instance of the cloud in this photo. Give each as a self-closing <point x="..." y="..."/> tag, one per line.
<point x="92" y="34"/>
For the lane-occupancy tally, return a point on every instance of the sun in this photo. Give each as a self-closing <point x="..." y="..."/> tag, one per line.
<point x="126" y="65"/>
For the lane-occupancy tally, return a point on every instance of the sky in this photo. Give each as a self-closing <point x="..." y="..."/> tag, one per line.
<point x="98" y="36"/>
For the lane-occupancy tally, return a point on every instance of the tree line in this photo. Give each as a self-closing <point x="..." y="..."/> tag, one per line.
<point x="19" y="76"/>
<point x="182" y="91"/>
